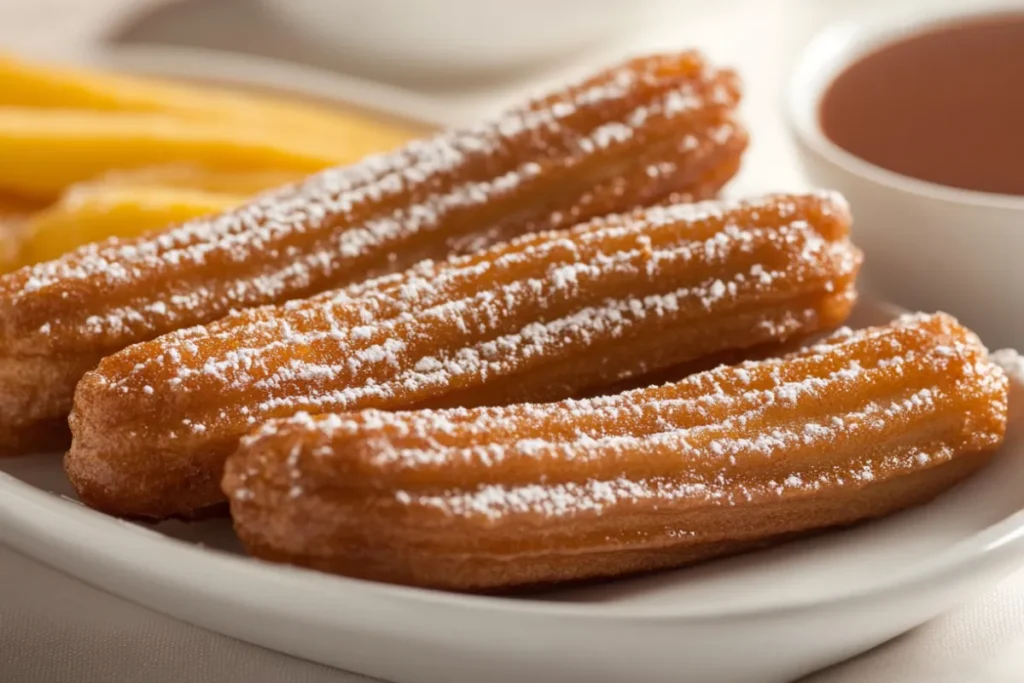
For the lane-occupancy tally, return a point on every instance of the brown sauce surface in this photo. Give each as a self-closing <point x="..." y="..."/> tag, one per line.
<point x="945" y="105"/>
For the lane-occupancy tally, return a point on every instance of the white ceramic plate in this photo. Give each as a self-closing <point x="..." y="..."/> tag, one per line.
<point x="768" y="616"/>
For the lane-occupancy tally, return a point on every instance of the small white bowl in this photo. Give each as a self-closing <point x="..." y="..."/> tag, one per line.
<point x="442" y="38"/>
<point x="936" y="247"/>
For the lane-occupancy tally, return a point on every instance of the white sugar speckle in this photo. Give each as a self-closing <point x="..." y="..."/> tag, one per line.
<point x="345" y="224"/>
<point x="403" y="338"/>
<point x="670" y="447"/>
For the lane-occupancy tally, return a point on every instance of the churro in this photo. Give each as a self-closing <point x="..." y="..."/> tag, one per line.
<point x="859" y="426"/>
<point x="632" y="135"/>
<point x="542" y="318"/>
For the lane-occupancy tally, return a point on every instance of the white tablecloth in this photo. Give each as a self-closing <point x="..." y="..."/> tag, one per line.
<point x="54" y="629"/>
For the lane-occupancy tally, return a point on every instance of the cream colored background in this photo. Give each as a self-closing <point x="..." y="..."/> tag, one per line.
<point x="54" y="629"/>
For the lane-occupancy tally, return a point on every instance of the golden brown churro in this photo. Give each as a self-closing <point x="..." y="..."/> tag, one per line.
<point x="858" y="426"/>
<point x="632" y="135"/>
<point x="544" y="317"/>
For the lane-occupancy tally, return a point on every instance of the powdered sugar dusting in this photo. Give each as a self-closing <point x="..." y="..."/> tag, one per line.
<point x="517" y="309"/>
<point x="1011" y="361"/>
<point x="341" y="224"/>
<point x="721" y="437"/>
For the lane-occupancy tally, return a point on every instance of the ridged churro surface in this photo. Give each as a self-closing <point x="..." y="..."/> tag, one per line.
<point x="858" y="426"/>
<point x="630" y="136"/>
<point x="545" y="317"/>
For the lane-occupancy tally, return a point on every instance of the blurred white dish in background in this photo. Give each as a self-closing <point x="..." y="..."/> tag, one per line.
<point x="459" y="37"/>
<point x="931" y="246"/>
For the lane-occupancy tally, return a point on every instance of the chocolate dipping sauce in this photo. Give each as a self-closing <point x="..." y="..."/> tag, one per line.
<point x="945" y="105"/>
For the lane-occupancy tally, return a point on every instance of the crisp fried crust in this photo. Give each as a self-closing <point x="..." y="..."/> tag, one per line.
<point x="630" y="136"/>
<point x="545" y="317"/>
<point x="858" y="426"/>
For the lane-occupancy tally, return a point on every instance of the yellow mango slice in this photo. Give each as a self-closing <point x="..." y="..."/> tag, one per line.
<point x="192" y="176"/>
<point x="14" y="213"/>
<point x="95" y="213"/>
<point x="27" y="84"/>
<point x="46" y="150"/>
